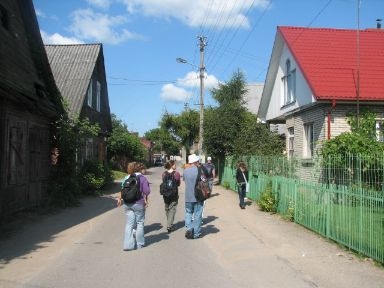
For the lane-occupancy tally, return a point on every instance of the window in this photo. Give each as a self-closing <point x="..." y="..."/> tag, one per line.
<point x="89" y="148"/>
<point x="291" y="138"/>
<point x="308" y="141"/>
<point x="289" y="84"/>
<point x="4" y="18"/>
<point x="98" y="89"/>
<point x="89" y="94"/>
<point x="16" y="153"/>
<point x="379" y="128"/>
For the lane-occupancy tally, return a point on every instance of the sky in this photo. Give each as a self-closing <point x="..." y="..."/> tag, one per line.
<point x="142" y="39"/>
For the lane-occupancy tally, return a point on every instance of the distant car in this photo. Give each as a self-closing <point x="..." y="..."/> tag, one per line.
<point x="158" y="162"/>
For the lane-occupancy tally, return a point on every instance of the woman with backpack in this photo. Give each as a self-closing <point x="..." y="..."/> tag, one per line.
<point x="169" y="190"/>
<point x="134" y="209"/>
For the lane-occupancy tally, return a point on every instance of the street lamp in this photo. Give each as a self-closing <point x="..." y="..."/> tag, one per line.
<point x="202" y="69"/>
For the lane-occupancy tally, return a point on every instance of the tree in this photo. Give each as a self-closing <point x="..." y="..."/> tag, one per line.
<point x="361" y="139"/>
<point x="355" y="156"/>
<point x="162" y="141"/>
<point x="257" y="139"/>
<point x="122" y="145"/>
<point x="183" y="128"/>
<point x="65" y="183"/>
<point x="222" y="125"/>
<point x="230" y="129"/>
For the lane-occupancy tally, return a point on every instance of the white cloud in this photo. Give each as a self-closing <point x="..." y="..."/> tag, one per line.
<point x="192" y="80"/>
<point x="170" y="92"/>
<point x="92" y="26"/>
<point x="215" y="13"/>
<point x="58" y="39"/>
<point x="100" y="3"/>
<point x="182" y="90"/>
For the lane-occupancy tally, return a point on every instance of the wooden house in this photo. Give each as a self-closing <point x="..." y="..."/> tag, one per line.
<point x="29" y="104"/>
<point x="80" y="75"/>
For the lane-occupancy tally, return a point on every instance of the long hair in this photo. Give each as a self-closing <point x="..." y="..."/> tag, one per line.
<point x="242" y="165"/>
<point x="133" y="167"/>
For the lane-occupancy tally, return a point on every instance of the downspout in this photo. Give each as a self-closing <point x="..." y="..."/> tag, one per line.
<point x="329" y="118"/>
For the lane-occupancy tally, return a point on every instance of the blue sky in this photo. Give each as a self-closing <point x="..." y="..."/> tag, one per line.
<point x="142" y="39"/>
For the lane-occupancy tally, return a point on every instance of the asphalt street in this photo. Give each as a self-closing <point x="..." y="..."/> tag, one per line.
<point x="82" y="247"/>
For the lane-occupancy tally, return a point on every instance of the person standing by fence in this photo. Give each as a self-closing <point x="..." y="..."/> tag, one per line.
<point x="241" y="180"/>
<point x="211" y="172"/>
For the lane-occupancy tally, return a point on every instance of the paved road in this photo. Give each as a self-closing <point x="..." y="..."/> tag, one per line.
<point x="82" y="247"/>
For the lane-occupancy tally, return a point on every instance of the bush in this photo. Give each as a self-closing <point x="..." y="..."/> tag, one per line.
<point x="268" y="201"/>
<point x="94" y="176"/>
<point x="226" y="185"/>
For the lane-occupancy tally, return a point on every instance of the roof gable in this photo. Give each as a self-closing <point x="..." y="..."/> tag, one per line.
<point x="331" y="61"/>
<point x="72" y="67"/>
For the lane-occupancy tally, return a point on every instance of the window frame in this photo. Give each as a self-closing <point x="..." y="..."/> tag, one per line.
<point x="379" y="129"/>
<point x="98" y="95"/>
<point x="291" y="141"/>
<point x="289" y="84"/>
<point x="309" y="140"/>
<point x="90" y="94"/>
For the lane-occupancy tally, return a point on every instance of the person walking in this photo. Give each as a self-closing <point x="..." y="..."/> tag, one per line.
<point x="193" y="208"/>
<point x="242" y="180"/>
<point x="171" y="180"/>
<point x="211" y="172"/>
<point x="135" y="212"/>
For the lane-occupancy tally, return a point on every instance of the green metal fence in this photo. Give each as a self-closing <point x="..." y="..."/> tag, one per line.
<point x="346" y="204"/>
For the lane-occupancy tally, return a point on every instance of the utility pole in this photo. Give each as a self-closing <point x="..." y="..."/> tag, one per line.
<point x="202" y="44"/>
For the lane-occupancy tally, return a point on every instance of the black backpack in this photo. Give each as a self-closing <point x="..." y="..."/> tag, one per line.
<point x="168" y="187"/>
<point x="202" y="191"/>
<point x="130" y="192"/>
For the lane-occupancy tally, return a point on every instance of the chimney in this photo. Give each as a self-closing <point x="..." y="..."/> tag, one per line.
<point x="378" y="25"/>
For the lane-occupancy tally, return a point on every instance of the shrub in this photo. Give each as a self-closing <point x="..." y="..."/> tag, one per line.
<point x="226" y="185"/>
<point x="268" y="201"/>
<point x="94" y="176"/>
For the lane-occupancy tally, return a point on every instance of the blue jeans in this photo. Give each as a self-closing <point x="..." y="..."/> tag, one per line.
<point x="241" y="190"/>
<point x="195" y="210"/>
<point x="134" y="218"/>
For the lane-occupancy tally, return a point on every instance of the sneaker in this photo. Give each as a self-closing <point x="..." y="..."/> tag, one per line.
<point x="189" y="234"/>
<point x="170" y="229"/>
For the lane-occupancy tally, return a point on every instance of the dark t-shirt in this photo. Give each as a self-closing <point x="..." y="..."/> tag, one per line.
<point x="209" y="167"/>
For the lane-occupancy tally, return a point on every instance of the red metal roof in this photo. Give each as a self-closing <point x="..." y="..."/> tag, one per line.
<point x="329" y="61"/>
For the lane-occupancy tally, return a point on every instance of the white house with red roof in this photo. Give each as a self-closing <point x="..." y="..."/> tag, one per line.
<point x="316" y="78"/>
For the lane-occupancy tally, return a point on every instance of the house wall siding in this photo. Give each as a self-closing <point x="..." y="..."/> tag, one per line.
<point x="29" y="103"/>
<point x="303" y="92"/>
<point x="318" y="115"/>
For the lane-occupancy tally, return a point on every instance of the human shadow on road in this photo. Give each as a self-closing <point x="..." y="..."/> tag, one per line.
<point x="209" y="219"/>
<point x="209" y="229"/>
<point x="151" y="239"/>
<point x="153" y="227"/>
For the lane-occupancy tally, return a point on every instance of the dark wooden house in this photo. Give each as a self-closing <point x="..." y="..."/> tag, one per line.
<point x="29" y="104"/>
<point x="79" y="73"/>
